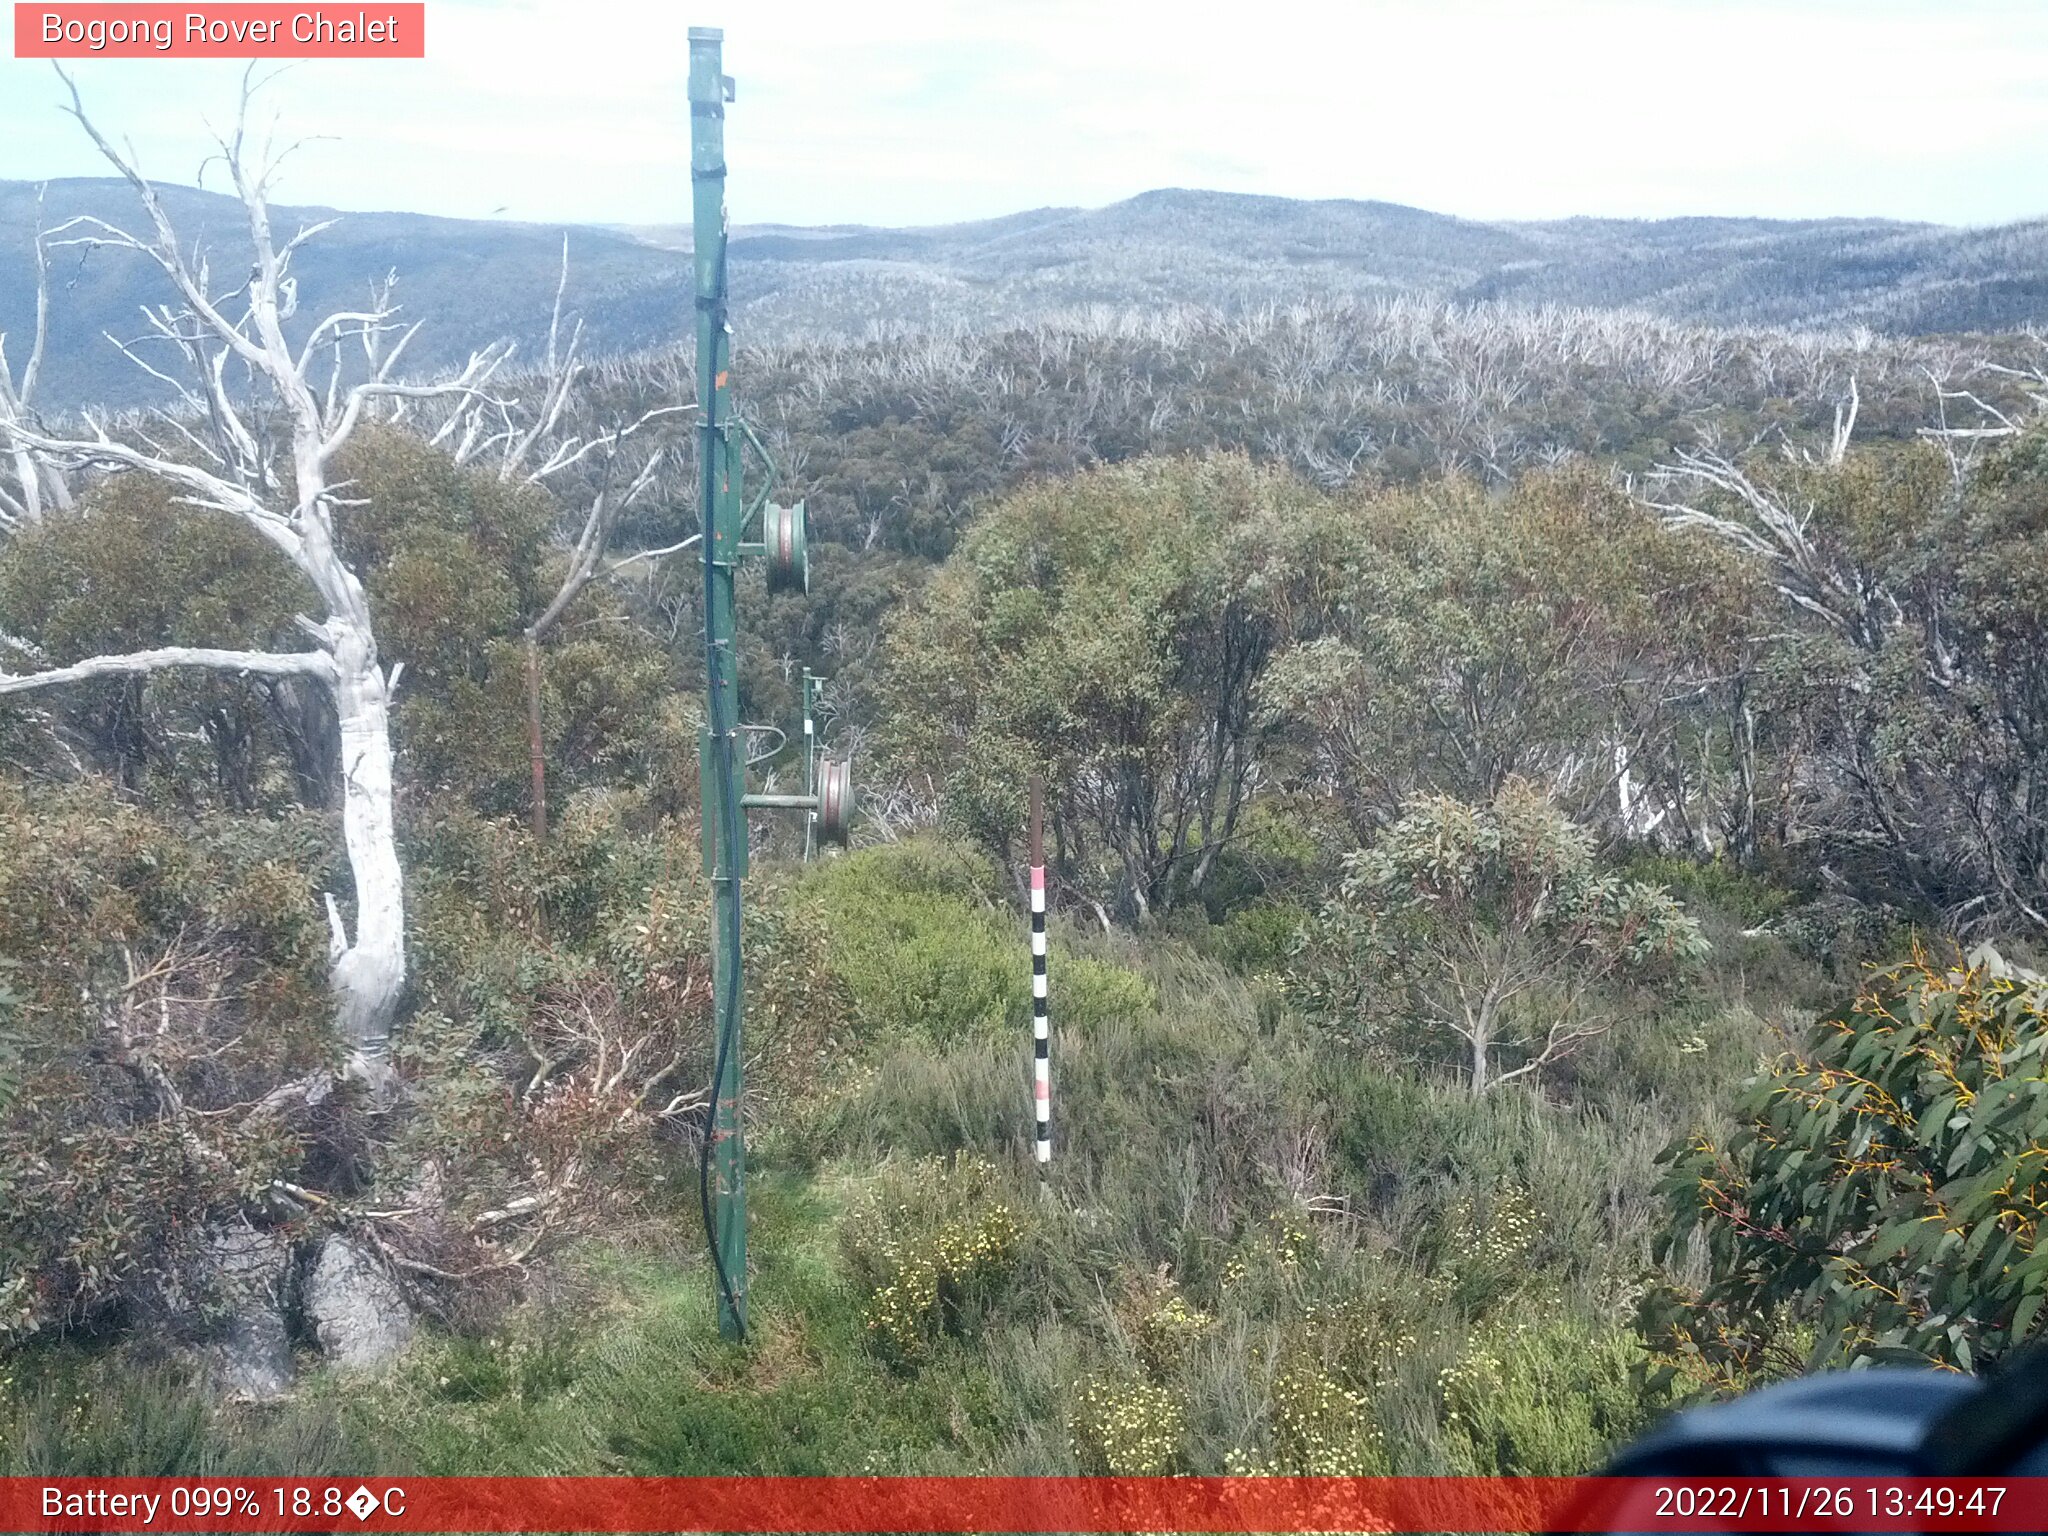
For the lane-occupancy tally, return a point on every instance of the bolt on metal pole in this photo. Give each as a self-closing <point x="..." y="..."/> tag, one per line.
<point x="725" y="1165"/>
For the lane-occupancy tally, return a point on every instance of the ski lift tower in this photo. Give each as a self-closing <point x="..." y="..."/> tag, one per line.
<point x="722" y="436"/>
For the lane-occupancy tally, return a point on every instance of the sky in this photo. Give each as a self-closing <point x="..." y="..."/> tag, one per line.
<point x="929" y="111"/>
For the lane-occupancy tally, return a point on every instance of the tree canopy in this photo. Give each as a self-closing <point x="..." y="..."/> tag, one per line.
<point x="1493" y="924"/>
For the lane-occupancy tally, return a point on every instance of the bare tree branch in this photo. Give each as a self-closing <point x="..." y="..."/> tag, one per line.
<point x="315" y="664"/>
<point x="653" y="554"/>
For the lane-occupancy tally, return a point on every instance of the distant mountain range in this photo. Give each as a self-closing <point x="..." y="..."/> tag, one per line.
<point x="474" y="280"/>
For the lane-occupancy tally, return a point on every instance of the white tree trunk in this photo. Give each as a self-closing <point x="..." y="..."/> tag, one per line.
<point x="1478" y="1036"/>
<point x="369" y="972"/>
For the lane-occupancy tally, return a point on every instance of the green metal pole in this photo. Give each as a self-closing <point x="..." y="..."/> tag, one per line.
<point x="725" y="823"/>
<point x="810" y="765"/>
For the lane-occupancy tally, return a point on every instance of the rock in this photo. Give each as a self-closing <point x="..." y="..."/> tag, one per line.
<point x="355" y="1307"/>
<point x="252" y="1353"/>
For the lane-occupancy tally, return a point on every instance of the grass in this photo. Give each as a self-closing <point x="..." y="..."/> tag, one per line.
<point x="1319" y="1228"/>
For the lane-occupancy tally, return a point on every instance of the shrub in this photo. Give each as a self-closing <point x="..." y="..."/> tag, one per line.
<point x="932" y="1246"/>
<point x="1484" y="1242"/>
<point x="1168" y="1327"/>
<point x="1846" y="935"/>
<point x="1320" y="1427"/>
<point x="1124" y="1428"/>
<point x="1493" y="931"/>
<point x="1259" y="940"/>
<point x="130" y="569"/>
<point x="1109" y="630"/>
<point x="1542" y="1399"/>
<point x="1379" y="1321"/>
<point x="1884" y="1184"/>
<point x="563" y="1037"/>
<point x="1721" y="885"/>
<point x="1270" y="1256"/>
<point x="1337" y="1363"/>
<point x="160" y="987"/>
<point x="924" y="952"/>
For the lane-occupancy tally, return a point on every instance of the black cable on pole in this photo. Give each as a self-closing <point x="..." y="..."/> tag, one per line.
<point x="728" y="1028"/>
<point x="704" y="1157"/>
<point x="729" y="805"/>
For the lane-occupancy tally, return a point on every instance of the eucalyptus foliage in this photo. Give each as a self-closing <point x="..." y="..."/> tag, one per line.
<point x="1492" y="923"/>
<point x="1110" y="631"/>
<point x="1885" y="1182"/>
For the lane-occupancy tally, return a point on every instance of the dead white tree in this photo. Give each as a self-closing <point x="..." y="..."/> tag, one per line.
<point x="1752" y="516"/>
<point x="35" y="484"/>
<point x="1963" y="444"/>
<point x="480" y="426"/>
<point x="587" y="562"/>
<point x="227" y="461"/>
<point x="1845" y="425"/>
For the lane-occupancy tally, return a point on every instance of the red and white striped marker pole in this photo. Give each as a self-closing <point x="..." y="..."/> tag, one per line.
<point x="1041" y="1027"/>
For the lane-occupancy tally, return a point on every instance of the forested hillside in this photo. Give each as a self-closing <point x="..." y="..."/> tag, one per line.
<point x="1521" y="781"/>
<point x="491" y="280"/>
<point x="482" y="281"/>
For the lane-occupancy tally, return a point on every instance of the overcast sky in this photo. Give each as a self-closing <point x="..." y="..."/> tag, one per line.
<point x="924" y="111"/>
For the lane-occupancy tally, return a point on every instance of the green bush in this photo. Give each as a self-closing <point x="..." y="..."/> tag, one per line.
<point x="1720" y="885"/>
<point x="932" y="1247"/>
<point x="1124" y="1428"/>
<point x="1319" y="1427"/>
<point x="1107" y="630"/>
<point x="1167" y="1327"/>
<point x="159" y="985"/>
<point x="1484" y="1243"/>
<point x="1489" y="932"/>
<point x="917" y="866"/>
<point x="1883" y="1185"/>
<point x="926" y="954"/>
<point x="1542" y="1399"/>
<point x="130" y="569"/>
<point x="1846" y="935"/>
<point x="1334" y="1366"/>
<point x="1264" y="1268"/>
<point x="1258" y="940"/>
<point x="564" y="995"/>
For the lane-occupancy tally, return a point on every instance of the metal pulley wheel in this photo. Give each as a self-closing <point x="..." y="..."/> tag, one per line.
<point x="835" y="800"/>
<point x="785" y="536"/>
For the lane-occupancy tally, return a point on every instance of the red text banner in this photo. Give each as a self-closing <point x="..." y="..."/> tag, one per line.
<point x="220" y="31"/>
<point x="998" y="1504"/>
